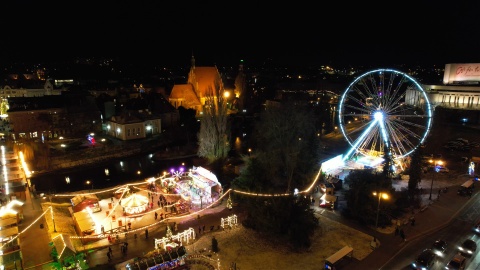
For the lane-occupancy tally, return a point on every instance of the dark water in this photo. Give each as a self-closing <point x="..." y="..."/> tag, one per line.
<point x="120" y="171"/>
<point x="123" y="171"/>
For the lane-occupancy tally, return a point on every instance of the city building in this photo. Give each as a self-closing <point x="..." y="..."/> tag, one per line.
<point x="458" y="98"/>
<point x="207" y="82"/>
<point x="133" y="125"/>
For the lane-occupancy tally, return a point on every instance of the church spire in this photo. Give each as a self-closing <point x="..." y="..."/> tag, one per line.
<point x="193" y="61"/>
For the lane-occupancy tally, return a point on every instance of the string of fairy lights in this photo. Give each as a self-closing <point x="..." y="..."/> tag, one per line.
<point x="166" y="220"/>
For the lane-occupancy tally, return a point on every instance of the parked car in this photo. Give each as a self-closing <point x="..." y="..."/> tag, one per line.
<point x="439" y="247"/>
<point x="466" y="189"/>
<point x="468" y="247"/>
<point x="458" y="262"/>
<point x="425" y="260"/>
<point x="442" y="169"/>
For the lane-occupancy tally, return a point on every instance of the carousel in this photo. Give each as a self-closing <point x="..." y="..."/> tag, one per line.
<point x="135" y="204"/>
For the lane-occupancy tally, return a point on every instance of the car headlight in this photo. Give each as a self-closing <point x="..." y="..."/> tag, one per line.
<point x="461" y="248"/>
<point x="414" y="265"/>
<point x="469" y="252"/>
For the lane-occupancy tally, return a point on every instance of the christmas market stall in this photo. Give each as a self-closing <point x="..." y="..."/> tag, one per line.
<point x="205" y="187"/>
<point x="63" y="246"/>
<point x="81" y="202"/>
<point x="84" y="225"/>
<point x="11" y="214"/>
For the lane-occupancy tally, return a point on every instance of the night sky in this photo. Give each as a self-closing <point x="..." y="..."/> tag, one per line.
<point x="223" y="33"/>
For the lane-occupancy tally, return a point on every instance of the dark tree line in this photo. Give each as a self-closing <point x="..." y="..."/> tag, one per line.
<point x="284" y="158"/>
<point x="362" y="204"/>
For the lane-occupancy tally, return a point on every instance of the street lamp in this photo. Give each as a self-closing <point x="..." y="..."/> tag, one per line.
<point x="439" y="162"/>
<point x="380" y="196"/>
<point x="51" y="212"/>
<point x="88" y="183"/>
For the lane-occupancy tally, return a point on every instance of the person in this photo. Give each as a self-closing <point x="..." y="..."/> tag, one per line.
<point x="110" y="250"/>
<point x="109" y="256"/>
<point x="146" y="233"/>
<point x="156" y="215"/>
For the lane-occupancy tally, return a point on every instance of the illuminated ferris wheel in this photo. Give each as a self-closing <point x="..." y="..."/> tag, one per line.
<point x="384" y="110"/>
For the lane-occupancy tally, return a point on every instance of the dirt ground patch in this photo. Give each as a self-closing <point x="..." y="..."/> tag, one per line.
<point x="250" y="251"/>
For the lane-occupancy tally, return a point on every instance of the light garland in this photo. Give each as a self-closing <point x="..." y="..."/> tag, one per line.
<point x="28" y="227"/>
<point x="196" y="213"/>
<point x="5" y="172"/>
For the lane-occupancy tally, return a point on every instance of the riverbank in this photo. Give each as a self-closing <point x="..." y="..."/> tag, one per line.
<point x="104" y="154"/>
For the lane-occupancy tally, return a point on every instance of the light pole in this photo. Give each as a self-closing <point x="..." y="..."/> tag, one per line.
<point x="51" y="212"/>
<point x="380" y="195"/>
<point x="434" y="174"/>
<point x="90" y="182"/>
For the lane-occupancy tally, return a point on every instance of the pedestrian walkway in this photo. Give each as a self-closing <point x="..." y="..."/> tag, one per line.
<point x="32" y="227"/>
<point x="142" y="241"/>
<point x="431" y="216"/>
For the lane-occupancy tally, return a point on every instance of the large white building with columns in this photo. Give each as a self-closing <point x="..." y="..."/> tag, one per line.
<point x="460" y="88"/>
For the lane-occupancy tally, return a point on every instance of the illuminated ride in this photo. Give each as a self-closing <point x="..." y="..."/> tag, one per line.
<point x="384" y="111"/>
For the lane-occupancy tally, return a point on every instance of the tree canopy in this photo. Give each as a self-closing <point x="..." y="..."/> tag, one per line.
<point x="213" y="138"/>
<point x="284" y="157"/>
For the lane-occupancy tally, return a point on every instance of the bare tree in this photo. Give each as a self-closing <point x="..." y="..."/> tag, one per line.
<point x="213" y="138"/>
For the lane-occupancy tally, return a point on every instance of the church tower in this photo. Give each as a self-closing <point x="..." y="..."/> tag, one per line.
<point x="240" y="87"/>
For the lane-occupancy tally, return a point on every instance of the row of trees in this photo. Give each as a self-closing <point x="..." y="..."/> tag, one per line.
<point x="285" y="158"/>
<point x="362" y="205"/>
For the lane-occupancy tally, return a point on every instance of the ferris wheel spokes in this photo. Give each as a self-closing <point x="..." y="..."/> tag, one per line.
<point x="360" y="139"/>
<point x="402" y="106"/>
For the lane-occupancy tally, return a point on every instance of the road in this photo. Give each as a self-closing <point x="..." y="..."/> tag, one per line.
<point x="454" y="234"/>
